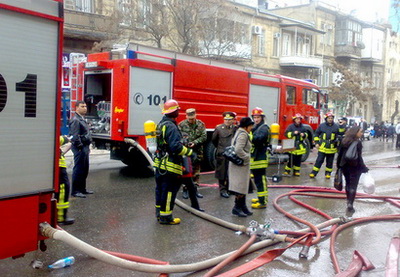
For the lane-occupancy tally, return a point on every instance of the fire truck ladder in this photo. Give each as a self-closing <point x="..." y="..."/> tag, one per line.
<point x="76" y="78"/>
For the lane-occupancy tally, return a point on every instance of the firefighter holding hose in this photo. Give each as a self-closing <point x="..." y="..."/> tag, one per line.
<point x="168" y="163"/>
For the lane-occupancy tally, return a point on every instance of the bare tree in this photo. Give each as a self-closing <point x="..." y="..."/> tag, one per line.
<point x="348" y="86"/>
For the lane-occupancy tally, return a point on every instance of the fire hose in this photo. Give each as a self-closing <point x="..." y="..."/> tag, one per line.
<point x="142" y="264"/>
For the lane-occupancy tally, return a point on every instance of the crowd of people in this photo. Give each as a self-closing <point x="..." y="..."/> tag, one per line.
<point x="180" y="153"/>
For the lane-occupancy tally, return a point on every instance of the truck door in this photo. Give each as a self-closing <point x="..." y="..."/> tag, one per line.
<point x="266" y="98"/>
<point x="148" y="90"/>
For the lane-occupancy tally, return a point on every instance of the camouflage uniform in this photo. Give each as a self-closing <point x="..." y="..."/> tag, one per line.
<point x="197" y="134"/>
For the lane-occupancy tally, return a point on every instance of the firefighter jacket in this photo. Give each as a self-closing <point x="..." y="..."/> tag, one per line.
<point x="342" y="129"/>
<point x="61" y="162"/>
<point x="197" y="134"/>
<point x="79" y="130"/>
<point x="169" y="147"/>
<point x="299" y="141"/>
<point x="260" y="138"/>
<point x="327" y="136"/>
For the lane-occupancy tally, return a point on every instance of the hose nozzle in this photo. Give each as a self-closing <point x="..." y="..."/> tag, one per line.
<point x="304" y="252"/>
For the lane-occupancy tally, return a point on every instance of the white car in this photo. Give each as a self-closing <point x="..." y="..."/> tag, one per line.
<point x="367" y="134"/>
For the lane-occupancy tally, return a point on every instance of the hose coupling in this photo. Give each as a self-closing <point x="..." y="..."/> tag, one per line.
<point x="304" y="252"/>
<point x="46" y="230"/>
<point x="345" y="219"/>
<point x="262" y="231"/>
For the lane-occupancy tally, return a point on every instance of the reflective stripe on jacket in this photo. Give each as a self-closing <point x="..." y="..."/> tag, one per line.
<point x="260" y="138"/>
<point x="169" y="147"/>
<point x="298" y="139"/>
<point x="327" y="136"/>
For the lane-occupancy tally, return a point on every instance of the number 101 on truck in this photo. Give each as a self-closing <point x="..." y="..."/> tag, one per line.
<point x="124" y="88"/>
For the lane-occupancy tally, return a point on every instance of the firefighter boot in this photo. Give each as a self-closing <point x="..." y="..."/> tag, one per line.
<point x="327" y="175"/>
<point x="296" y="173"/>
<point x="313" y="174"/>
<point x="65" y="220"/>
<point x="244" y="206"/>
<point x="237" y="209"/>
<point x="286" y="173"/>
<point x="169" y="220"/>
<point x="254" y="200"/>
<point x="185" y="194"/>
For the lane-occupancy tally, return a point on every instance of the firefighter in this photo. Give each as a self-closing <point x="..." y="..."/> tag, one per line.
<point x="260" y="138"/>
<point x="221" y="138"/>
<point x="62" y="195"/>
<point x="298" y="133"/>
<point x="326" y="140"/>
<point x="168" y="163"/>
<point x="196" y="137"/>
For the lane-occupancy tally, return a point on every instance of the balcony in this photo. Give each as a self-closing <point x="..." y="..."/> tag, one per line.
<point x="348" y="51"/>
<point x="301" y="61"/>
<point x="88" y="25"/>
<point x="393" y="85"/>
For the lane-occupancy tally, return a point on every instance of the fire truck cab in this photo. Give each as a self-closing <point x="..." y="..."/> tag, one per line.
<point x="124" y="88"/>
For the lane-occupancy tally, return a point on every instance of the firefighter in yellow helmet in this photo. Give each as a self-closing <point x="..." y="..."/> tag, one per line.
<point x="298" y="133"/>
<point x="260" y="138"/>
<point x="168" y="163"/>
<point x="326" y="140"/>
<point x="62" y="195"/>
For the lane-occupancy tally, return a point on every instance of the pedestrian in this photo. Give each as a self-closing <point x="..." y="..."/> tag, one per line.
<point x="168" y="163"/>
<point x="260" y="138"/>
<point x="398" y="135"/>
<point x="221" y="138"/>
<point x="196" y="137"/>
<point x="81" y="140"/>
<point x="326" y="141"/>
<point x="391" y="130"/>
<point x="239" y="175"/>
<point x="351" y="170"/>
<point x="342" y="127"/>
<point x="298" y="133"/>
<point x="62" y="196"/>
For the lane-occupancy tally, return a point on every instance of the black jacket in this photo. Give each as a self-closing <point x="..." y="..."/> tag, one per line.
<point x="358" y="166"/>
<point x="260" y="138"/>
<point x="79" y="130"/>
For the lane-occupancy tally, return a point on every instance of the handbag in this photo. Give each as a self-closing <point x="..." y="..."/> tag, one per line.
<point x="351" y="154"/>
<point x="230" y="154"/>
<point x="338" y="181"/>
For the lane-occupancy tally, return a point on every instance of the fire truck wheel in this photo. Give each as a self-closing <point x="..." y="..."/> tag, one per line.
<point x="137" y="163"/>
<point x="209" y="156"/>
<point x="304" y="157"/>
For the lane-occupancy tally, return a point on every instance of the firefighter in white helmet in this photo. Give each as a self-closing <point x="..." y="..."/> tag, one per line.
<point x="298" y="133"/>
<point x="168" y="163"/>
<point x="260" y="137"/>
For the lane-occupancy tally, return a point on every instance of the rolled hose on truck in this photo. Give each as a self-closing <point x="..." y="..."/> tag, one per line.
<point x="153" y="266"/>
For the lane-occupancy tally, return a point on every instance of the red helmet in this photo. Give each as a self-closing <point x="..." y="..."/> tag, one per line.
<point x="329" y="114"/>
<point x="170" y="106"/>
<point x="257" y="111"/>
<point x="298" y="115"/>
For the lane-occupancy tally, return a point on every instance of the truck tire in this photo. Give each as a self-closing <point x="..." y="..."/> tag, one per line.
<point x="304" y="157"/>
<point x="138" y="164"/>
<point x="209" y="156"/>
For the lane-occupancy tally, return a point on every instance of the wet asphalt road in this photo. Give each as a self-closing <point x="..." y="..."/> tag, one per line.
<point x="120" y="217"/>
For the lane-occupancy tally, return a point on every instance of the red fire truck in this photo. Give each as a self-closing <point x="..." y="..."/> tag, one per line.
<point x="123" y="88"/>
<point x="30" y="55"/>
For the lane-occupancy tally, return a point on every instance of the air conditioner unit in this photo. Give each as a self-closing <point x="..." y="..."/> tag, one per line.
<point x="277" y="35"/>
<point x="257" y="30"/>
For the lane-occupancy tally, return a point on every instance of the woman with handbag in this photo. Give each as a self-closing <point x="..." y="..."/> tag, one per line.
<point x="239" y="175"/>
<point x="351" y="163"/>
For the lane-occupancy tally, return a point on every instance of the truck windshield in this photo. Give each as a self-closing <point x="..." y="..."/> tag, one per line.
<point x="310" y="97"/>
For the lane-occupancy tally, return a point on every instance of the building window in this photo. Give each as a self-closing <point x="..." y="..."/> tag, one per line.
<point x="80" y="5"/>
<point x="261" y="44"/>
<point x="125" y="8"/>
<point x="275" y="49"/>
<point x="290" y="95"/>
<point x="142" y="13"/>
<point x="286" y="45"/>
